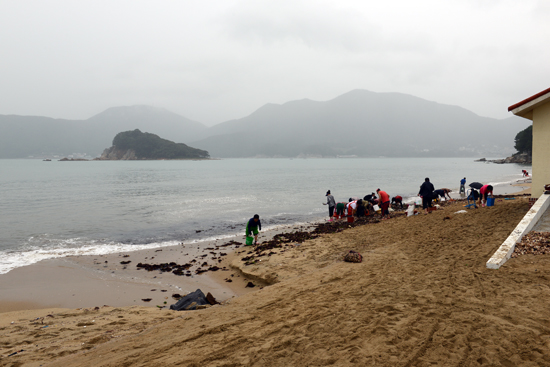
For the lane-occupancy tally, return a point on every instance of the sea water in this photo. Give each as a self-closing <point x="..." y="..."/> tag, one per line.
<point x="56" y="209"/>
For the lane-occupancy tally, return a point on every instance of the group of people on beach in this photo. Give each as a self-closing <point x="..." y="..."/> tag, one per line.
<point x="364" y="207"/>
<point x="428" y="193"/>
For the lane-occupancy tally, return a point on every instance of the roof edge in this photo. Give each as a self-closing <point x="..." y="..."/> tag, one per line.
<point x="527" y="100"/>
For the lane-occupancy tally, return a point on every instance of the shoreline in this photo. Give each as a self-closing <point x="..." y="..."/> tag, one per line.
<point x="98" y="280"/>
<point x="36" y="286"/>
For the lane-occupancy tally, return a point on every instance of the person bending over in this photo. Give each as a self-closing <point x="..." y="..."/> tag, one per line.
<point x="340" y="209"/>
<point x="485" y="191"/>
<point x="253" y="227"/>
<point x="474" y="196"/>
<point x="442" y="193"/>
<point x="362" y="210"/>
<point x="351" y="207"/>
<point x="397" y="200"/>
<point x="371" y="198"/>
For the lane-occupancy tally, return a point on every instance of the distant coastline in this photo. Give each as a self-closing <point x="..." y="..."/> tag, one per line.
<point x="140" y="160"/>
<point x="519" y="158"/>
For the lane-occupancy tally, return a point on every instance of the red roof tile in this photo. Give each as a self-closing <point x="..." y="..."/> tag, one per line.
<point x="514" y="106"/>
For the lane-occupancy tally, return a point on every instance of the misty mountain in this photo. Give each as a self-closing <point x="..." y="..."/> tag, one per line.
<point x="23" y="136"/>
<point x="358" y="123"/>
<point x="366" y="124"/>
<point x="158" y="121"/>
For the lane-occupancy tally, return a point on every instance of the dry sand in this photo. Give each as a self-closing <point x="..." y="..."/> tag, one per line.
<point x="422" y="296"/>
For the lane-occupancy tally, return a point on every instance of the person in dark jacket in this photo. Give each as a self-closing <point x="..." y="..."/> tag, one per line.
<point x="371" y="198"/>
<point x="426" y="193"/>
<point x="252" y="227"/>
<point x="443" y="193"/>
<point x="361" y="208"/>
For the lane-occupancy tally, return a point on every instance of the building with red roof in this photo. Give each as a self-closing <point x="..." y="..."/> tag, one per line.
<point x="537" y="109"/>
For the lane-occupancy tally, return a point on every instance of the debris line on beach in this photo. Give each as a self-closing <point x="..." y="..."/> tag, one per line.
<point x="534" y="243"/>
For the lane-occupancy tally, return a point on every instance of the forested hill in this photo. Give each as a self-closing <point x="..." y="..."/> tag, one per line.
<point x="360" y="123"/>
<point x="27" y="136"/>
<point x="130" y="145"/>
<point x="365" y="124"/>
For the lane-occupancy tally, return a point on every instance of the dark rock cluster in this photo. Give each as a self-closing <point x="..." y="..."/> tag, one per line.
<point x="193" y="301"/>
<point x="185" y="269"/>
<point x="167" y="268"/>
<point x="522" y="158"/>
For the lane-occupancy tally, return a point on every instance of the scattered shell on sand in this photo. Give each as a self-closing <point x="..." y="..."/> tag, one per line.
<point x="534" y="243"/>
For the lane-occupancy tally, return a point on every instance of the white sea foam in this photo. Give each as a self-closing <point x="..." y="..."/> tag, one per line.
<point x="10" y="260"/>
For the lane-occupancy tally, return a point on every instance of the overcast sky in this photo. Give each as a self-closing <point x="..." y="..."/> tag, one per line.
<point x="212" y="61"/>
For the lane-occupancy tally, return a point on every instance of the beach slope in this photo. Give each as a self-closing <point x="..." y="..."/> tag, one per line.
<point x="422" y="296"/>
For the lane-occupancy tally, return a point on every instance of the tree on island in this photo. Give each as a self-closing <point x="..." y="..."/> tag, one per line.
<point x="524" y="141"/>
<point x="151" y="146"/>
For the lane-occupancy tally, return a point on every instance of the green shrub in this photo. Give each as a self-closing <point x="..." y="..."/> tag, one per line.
<point x="524" y="140"/>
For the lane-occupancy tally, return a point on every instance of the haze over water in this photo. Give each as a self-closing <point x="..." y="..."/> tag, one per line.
<point x="56" y="209"/>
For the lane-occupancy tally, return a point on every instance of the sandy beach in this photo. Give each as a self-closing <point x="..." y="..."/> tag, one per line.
<point x="115" y="279"/>
<point x="422" y="296"/>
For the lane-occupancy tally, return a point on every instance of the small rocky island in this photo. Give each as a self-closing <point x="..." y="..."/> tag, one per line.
<point x="524" y="147"/>
<point x="135" y="145"/>
<point x="522" y="158"/>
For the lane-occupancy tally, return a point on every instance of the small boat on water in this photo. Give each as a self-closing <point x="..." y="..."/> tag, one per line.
<point x="46" y="160"/>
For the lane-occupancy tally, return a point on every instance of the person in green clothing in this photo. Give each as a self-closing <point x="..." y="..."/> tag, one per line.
<point x="253" y="227"/>
<point x="340" y="209"/>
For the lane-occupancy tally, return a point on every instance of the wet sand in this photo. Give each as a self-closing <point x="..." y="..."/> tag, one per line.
<point x="422" y="296"/>
<point x="90" y="281"/>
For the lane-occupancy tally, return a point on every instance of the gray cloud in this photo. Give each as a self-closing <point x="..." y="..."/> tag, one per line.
<point x="216" y="60"/>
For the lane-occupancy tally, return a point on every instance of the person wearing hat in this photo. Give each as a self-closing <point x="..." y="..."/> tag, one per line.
<point x="331" y="204"/>
<point x="252" y="228"/>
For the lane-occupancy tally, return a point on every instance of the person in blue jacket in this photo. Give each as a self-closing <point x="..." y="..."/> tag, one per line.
<point x="462" y="187"/>
<point x="253" y="227"/>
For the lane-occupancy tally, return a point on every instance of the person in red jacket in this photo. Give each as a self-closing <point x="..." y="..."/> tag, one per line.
<point x="397" y="200"/>
<point x="384" y="202"/>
